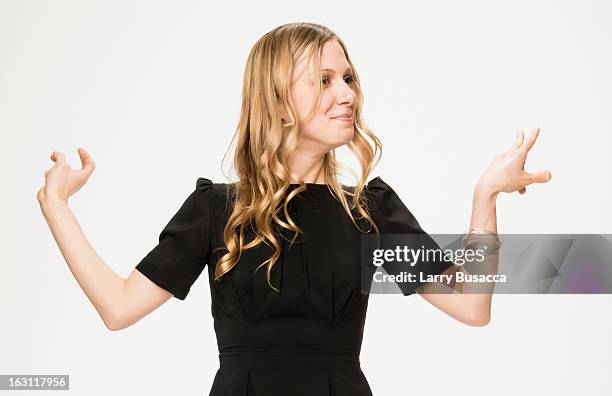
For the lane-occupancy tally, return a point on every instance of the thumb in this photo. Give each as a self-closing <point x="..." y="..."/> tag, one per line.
<point x="87" y="162"/>
<point x="539" y="177"/>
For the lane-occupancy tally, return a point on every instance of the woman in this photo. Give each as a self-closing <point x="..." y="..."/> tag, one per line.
<point x="281" y="243"/>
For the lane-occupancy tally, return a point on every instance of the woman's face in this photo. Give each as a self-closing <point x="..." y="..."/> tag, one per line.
<point x="325" y="131"/>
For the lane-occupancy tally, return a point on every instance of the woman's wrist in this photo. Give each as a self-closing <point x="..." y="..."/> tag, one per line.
<point x="48" y="202"/>
<point x="483" y="206"/>
<point x="483" y="190"/>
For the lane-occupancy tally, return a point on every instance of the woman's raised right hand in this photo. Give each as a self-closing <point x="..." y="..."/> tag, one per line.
<point x="61" y="181"/>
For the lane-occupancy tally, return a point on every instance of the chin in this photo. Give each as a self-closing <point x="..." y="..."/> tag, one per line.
<point x="349" y="135"/>
<point x="343" y="138"/>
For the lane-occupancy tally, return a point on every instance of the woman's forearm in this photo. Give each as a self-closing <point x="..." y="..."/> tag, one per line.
<point x="484" y="216"/>
<point x="103" y="287"/>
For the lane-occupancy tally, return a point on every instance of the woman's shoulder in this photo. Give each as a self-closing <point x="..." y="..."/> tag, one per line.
<point x="205" y="184"/>
<point x="377" y="183"/>
<point x="380" y="190"/>
<point x="218" y="195"/>
<point x="389" y="209"/>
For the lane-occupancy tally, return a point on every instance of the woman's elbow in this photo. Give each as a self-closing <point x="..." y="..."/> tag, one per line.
<point x="112" y="325"/>
<point x="479" y="318"/>
<point x="114" y="321"/>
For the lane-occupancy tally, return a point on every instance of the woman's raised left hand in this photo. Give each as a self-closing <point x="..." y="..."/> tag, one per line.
<point x="507" y="174"/>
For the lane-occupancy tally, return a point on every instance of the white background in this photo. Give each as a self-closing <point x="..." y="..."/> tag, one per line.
<point x="152" y="90"/>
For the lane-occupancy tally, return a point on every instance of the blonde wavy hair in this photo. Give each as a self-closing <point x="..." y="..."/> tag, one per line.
<point x="264" y="145"/>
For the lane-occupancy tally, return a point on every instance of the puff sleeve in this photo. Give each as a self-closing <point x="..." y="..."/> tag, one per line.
<point x="393" y="217"/>
<point x="183" y="249"/>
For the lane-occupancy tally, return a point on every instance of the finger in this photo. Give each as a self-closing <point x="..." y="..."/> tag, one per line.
<point x="519" y="139"/>
<point x="58" y="157"/>
<point x="531" y="140"/>
<point x="86" y="161"/>
<point x="538" y="177"/>
<point x="523" y="190"/>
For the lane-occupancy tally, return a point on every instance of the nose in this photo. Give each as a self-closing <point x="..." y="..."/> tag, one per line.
<point x="346" y="95"/>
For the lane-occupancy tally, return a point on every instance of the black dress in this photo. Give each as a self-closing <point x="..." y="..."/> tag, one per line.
<point x="305" y="340"/>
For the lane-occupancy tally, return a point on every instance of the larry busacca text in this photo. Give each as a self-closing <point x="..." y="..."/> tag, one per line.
<point x="422" y="256"/>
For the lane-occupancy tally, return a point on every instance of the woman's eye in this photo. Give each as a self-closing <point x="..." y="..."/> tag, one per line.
<point x="347" y="79"/>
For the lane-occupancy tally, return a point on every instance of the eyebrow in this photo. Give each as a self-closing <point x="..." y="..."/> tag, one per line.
<point x="348" y="69"/>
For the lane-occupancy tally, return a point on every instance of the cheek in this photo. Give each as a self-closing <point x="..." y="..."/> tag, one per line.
<point x="327" y="105"/>
<point x="303" y="100"/>
<point x="324" y="112"/>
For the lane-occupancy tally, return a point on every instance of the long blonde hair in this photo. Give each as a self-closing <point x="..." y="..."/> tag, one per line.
<point x="263" y="148"/>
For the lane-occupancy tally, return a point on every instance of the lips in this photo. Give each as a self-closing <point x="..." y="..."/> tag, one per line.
<point x="344" y="117"/>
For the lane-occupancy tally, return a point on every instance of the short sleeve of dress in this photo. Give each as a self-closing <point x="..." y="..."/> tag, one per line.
<point x="184" y="247"/>
<point x="393" y="217"/>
